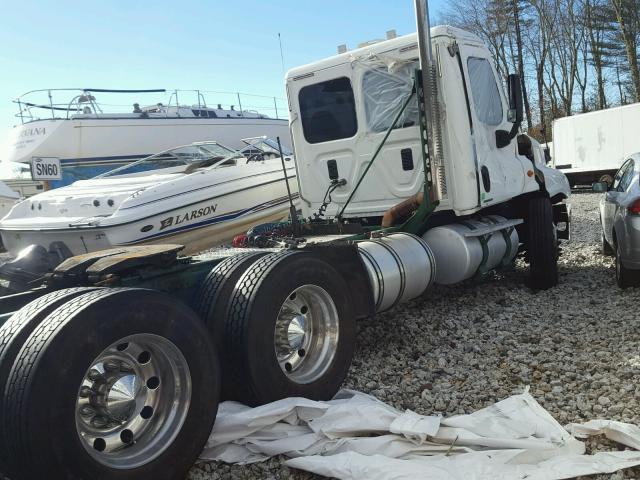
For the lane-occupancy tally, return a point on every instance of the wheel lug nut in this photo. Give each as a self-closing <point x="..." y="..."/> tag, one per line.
<point x="87" y="411"/>
<point x="94" y="375"/>
<point x="99" y="422"/>
<point x="111" y="365"/>
<point x="85" y="391"/>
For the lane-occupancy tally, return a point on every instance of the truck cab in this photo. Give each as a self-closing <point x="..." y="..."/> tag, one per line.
<point x="341" y="108"/>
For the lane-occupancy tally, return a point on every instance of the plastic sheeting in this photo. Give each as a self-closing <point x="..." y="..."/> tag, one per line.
<point x="355" y="436"/>
<point x="386" y="83"/>
<point x="384" y="92"/>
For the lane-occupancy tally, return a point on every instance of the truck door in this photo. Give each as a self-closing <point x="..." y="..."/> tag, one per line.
<point x="323" y="127"/>
<point x="341" y="115"/>
<point x="502" y="171"/>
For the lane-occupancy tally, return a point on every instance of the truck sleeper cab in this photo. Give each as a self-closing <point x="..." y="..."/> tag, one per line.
<point x="341" y="107"/>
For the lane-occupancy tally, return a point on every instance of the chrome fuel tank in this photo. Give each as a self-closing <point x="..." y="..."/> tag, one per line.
<point x="400" y="266"/>
<point x="458" y="248"/>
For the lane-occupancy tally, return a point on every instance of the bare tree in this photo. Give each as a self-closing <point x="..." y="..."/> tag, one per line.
<point x="597" y="24"/>
<point x="573" y="55"/>
<point x="520" y="56"/>
<point x="627" y="16"/>
<point x="537" y="40"/>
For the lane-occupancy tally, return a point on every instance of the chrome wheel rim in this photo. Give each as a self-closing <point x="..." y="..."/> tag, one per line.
<point x="133" y="401"/>
<point x="306" y="334"/>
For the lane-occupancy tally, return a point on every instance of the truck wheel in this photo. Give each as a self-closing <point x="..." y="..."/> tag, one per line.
<point x="290" y="330"/>
<point x="214" y="297"/>
<point x="625" y="277"/>
<point x="215" y="293"/>
<point x="605" y="248"/>
<point x="17" y="329"/>
<point x="114" y="384"/>
<point x="542" y="244"/>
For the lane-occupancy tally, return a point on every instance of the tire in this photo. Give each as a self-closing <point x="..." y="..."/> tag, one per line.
<point x="606" y="178"/>
<point x="15" y="331"/>
<point x="213" y="301"/>
<point x="624" y="277"/>
<point x="542" y="244"/>
<point x="605" y="248"/>
<point x="215" y="293"/>
<point x="266" y="298"/>
<point x="58" y="408"/>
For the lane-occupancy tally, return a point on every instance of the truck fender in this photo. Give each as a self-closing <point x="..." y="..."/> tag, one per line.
<point x="346" y="259"/>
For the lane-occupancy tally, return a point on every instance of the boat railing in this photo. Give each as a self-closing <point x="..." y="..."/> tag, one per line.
<point x="40" y="104"/>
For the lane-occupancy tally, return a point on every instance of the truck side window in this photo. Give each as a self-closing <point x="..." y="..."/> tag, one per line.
<point x="486" y="96"/>
<point x="328" y="110"/>
<point x="384" y="93"/>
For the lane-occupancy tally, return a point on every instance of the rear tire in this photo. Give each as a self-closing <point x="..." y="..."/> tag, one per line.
<point x="605" y="248"/>
<point x="624" y="277"/>
<point x="13" y="334"/>
<point x="214" y="298"/>
<point x="542" y="244"/>
<point x="76" y="402"/>
<point x="215" y="293"/>
<point x="290" y="330"/>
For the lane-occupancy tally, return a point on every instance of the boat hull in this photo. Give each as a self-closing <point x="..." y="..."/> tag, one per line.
<point x="197" y="234"/>
<point x="89" y="147"/>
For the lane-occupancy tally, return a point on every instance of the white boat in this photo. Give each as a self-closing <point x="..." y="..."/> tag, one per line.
<point x="8" y="198"/>
<point x="198" y="195"/>
<point x="91" y="138"/>
<point x="17" y="176"/>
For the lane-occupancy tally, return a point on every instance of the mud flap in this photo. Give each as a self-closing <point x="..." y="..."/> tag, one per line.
<point x="562" y="215"/>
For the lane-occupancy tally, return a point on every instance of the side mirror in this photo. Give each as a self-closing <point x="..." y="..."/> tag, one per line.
<point x="516" y="109"/>
<point x="600" y="187"/>
<point x="503" y="138"/>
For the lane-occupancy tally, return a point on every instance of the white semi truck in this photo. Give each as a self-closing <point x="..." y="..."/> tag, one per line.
<point x="593" y="146"/>
<point x="411" y="172"/>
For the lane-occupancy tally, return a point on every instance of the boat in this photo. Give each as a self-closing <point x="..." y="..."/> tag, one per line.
<point x="17" y="176"/>
<point x="199" y="195"/>
<point x="91" y="137"/>
<point x="8" y="198"/>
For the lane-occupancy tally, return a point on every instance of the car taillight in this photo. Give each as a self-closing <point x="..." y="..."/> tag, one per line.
<point x="634" y="208"/>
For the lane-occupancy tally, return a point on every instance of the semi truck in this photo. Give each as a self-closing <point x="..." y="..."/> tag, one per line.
<point x="411" y="171"/>
<point x="592" y="146"/>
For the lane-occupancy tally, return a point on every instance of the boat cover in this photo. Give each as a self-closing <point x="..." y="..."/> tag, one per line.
<point x="355" y="436"/>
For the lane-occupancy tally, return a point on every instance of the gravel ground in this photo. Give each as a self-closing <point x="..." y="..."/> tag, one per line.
<point x="461" y="348"/>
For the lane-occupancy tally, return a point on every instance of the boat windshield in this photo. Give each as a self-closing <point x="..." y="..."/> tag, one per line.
<point x="180" y="160"/>
<point x="14" y="171"/>
<point x="256" y="145"/>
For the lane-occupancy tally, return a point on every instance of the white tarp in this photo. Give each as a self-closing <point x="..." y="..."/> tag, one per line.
<point x="355" y="436"/>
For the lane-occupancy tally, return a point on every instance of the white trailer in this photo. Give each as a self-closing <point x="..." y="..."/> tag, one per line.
<point x="588" y="146"/>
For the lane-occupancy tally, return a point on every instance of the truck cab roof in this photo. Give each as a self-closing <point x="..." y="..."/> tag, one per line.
<point x="400" y="44"/>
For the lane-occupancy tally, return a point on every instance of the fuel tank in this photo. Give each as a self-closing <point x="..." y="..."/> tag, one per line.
<point x="458" y="247"/>
<point x="400" y="266"/>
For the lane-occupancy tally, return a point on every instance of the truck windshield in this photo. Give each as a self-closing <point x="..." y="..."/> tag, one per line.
<point x="486" y="96"/>
<point x="179" y="159"/>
